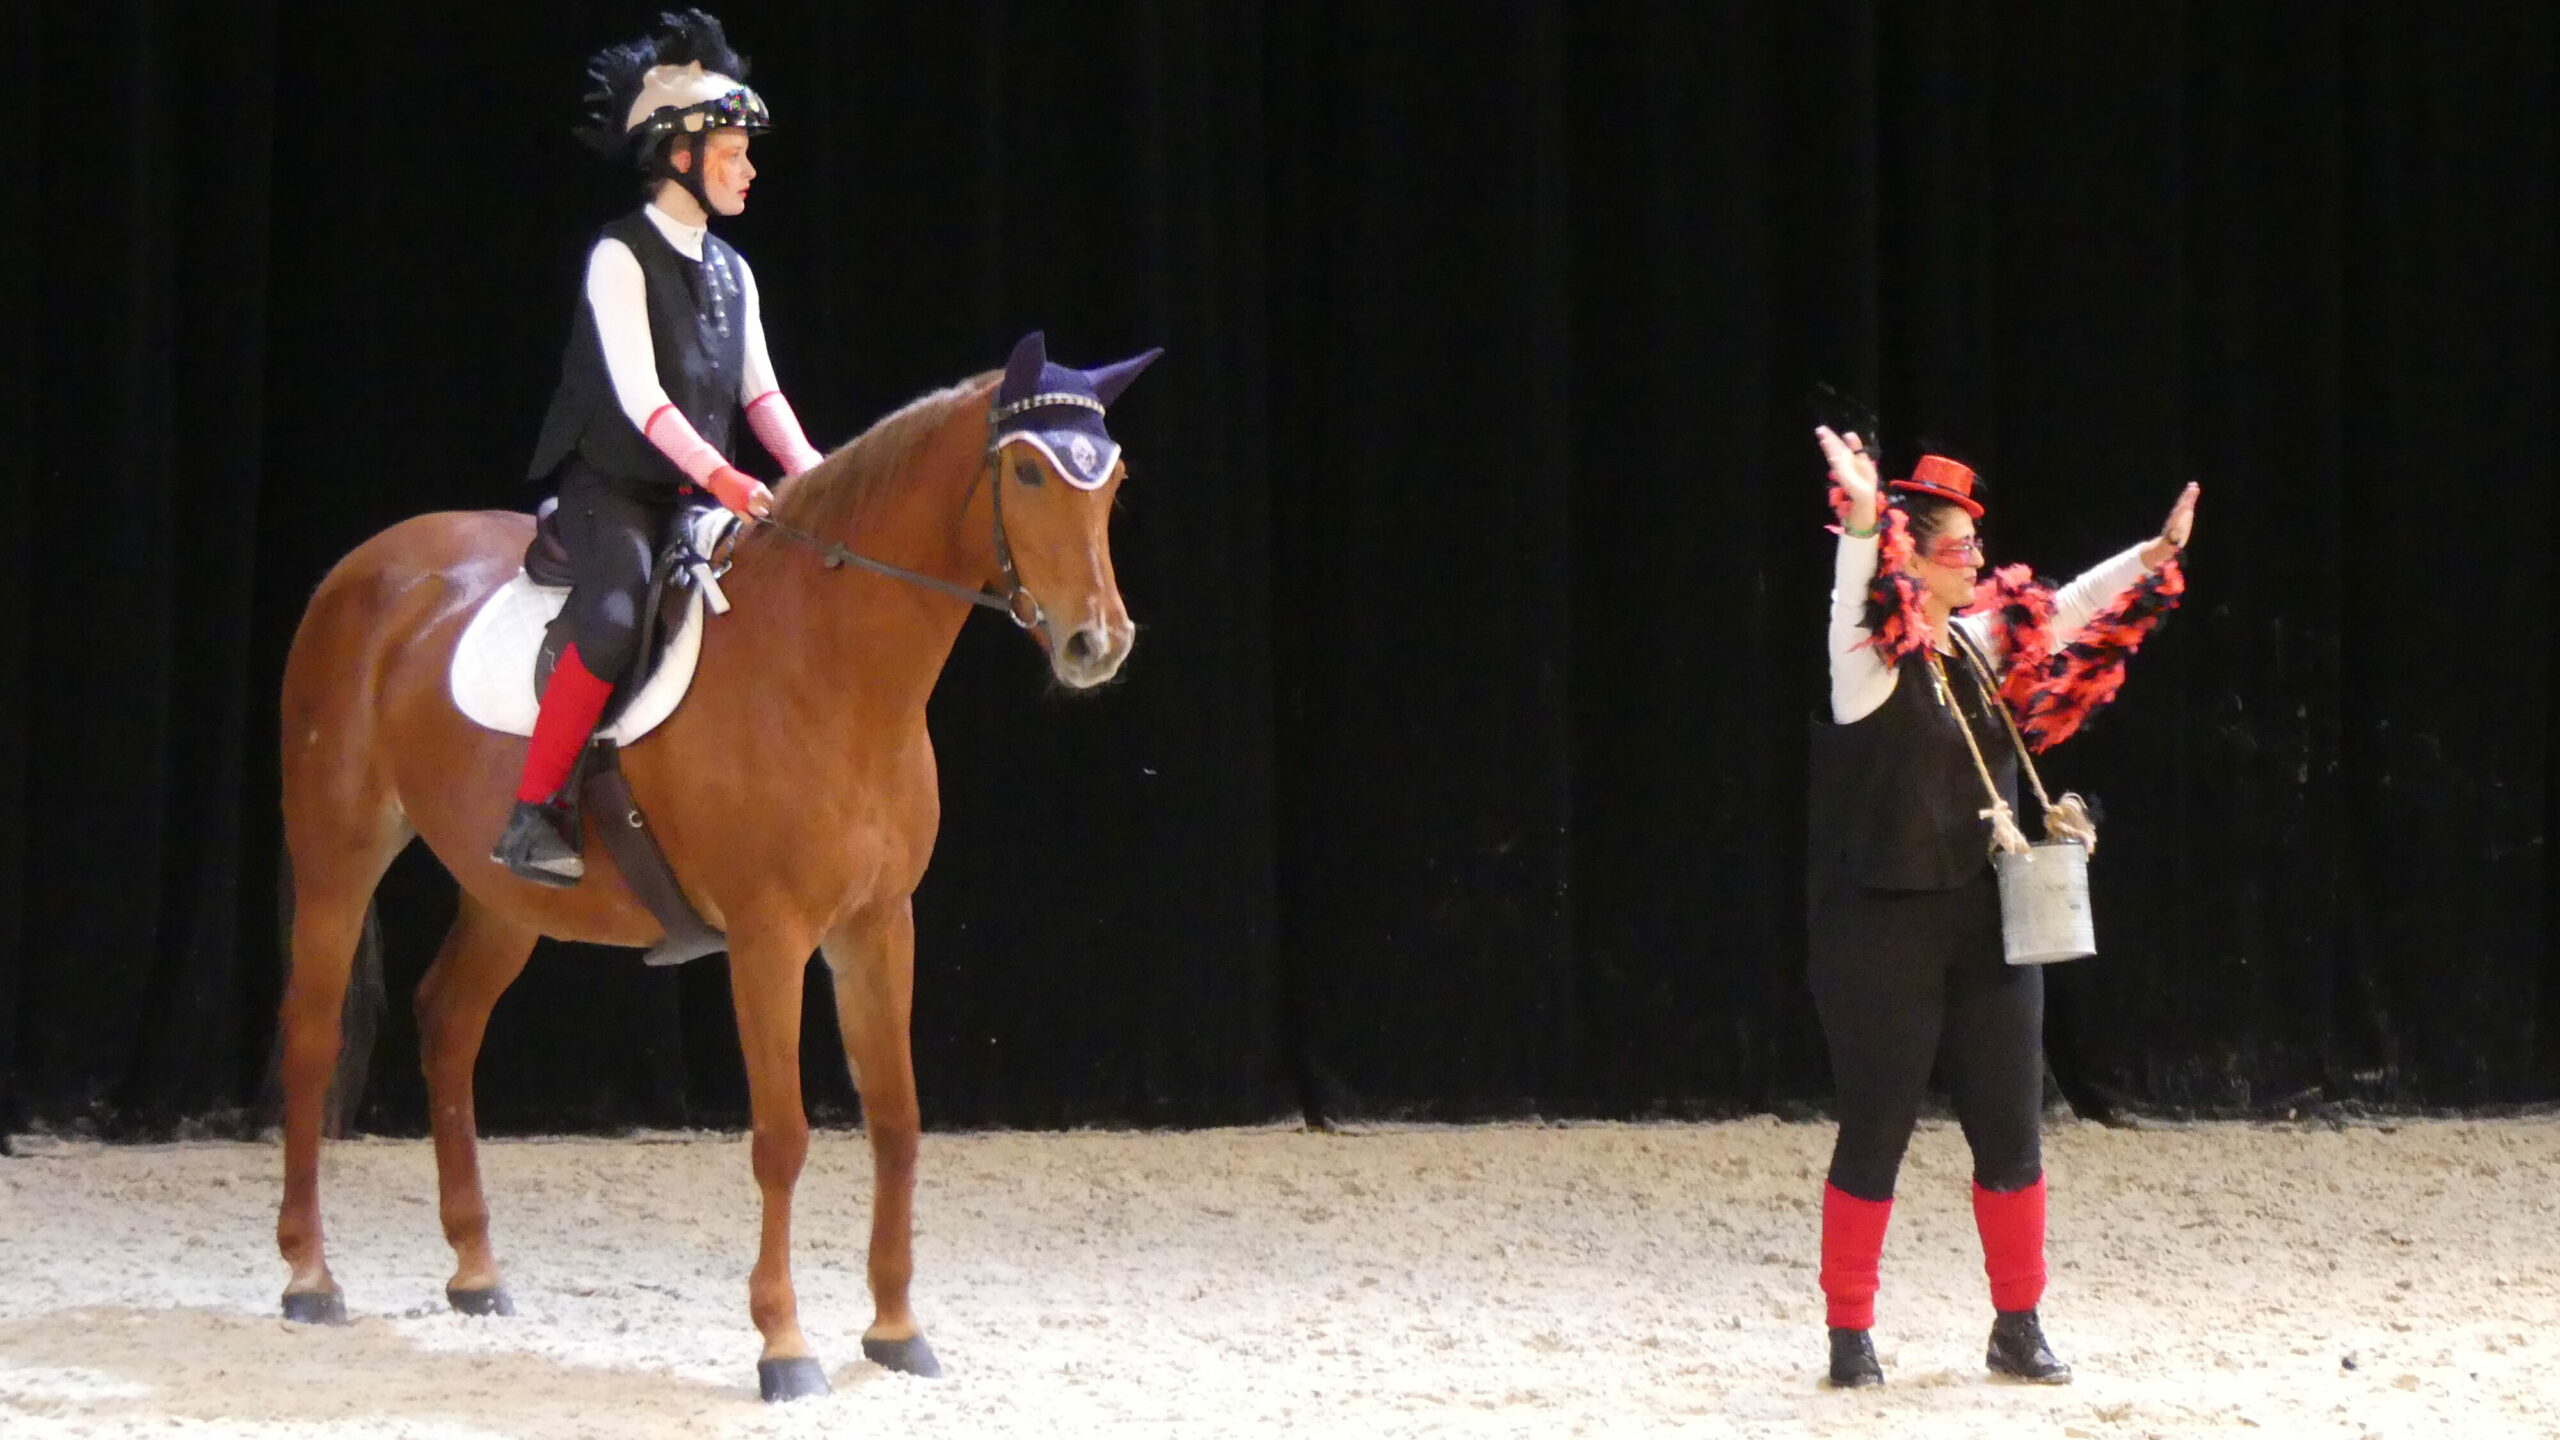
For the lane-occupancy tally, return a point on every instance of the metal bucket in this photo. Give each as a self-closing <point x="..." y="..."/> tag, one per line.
<point x="2044" y="904"/>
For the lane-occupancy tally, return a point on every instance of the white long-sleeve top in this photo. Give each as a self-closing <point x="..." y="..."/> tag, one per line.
<point x="619" y="296"/>
<point x="1862" y="680"/>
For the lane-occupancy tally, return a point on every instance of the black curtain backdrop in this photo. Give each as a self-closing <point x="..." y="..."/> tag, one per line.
<point x="1475" y="525"/>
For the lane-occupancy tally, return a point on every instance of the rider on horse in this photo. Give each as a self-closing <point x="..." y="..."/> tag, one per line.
<point x="663" y="357"/>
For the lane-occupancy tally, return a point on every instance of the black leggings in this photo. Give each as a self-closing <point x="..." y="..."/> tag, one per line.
<point x="1906" y="978"/>
<point x="613" y="540"/>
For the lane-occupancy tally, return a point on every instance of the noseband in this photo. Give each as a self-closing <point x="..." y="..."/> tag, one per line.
<point x="1014" y="599"/>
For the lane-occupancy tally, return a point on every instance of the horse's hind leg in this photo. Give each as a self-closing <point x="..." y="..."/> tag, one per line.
<point x="481" y="957"/>
<point x="874" y="963"/>
<point x="333" y="879"/>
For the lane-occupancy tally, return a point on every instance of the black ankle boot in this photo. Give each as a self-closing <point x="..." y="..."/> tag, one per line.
<point x="1853" y="1360"/>
<point x="2019" y="1352"/>
<point x="539" y="846"/>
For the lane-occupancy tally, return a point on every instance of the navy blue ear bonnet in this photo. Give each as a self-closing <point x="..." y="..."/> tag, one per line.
<point x="1059" y="411"/>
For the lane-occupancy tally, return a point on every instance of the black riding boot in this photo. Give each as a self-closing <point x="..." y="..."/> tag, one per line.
<point x="1853" y="1360"/>
<point x="2019" y="1352"/>
<point x="539" y="845"/>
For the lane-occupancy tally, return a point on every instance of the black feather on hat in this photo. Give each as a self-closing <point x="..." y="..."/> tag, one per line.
<point x="616" y="73"/>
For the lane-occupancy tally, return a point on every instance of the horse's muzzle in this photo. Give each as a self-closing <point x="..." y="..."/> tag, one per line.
<point x="1090" y="655"/>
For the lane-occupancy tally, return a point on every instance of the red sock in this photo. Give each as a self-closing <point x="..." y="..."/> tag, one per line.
<point x="1852" y="1250"/>
<point x="570" y="707"/>
<point x="2012" y="1226"/>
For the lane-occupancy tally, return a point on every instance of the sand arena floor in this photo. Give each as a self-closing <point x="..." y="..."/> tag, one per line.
<point x="2395" y="1281"/>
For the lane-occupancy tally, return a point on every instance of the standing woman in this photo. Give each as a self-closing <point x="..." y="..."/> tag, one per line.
<point x="666" y="352"/>
<point x="1906" y="962"/>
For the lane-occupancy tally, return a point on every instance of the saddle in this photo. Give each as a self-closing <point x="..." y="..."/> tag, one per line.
<point x="510" y="644"/>
<point x="681" y="567"/>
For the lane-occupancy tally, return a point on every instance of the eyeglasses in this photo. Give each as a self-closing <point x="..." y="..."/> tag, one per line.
<point x="1967" y="551"/>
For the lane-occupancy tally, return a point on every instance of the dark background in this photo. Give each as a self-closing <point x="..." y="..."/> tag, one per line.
<point x="1475" y="526"/>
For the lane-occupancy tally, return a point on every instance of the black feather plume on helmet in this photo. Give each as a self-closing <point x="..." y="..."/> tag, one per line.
<point x="615" y="75"/>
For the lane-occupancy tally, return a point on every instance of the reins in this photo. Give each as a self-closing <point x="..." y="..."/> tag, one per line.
<point x="1015" y="600"/>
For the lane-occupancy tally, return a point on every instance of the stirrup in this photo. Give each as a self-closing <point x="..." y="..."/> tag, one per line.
<point x="537" y="846"/>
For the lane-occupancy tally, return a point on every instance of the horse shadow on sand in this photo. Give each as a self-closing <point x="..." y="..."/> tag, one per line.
<point x="133" y="1368"/>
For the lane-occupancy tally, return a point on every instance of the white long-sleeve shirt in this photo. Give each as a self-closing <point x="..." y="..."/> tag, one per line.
<point x="1862" y="680"/>
<point x="618" y="295"/>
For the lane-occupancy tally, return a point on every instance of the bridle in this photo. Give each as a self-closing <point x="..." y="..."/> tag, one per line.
<point x="1012" y="596"/>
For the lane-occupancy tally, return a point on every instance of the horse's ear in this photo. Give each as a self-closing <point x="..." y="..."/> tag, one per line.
<point x="1022" y="372"/>
<point x="1110" y="380"/>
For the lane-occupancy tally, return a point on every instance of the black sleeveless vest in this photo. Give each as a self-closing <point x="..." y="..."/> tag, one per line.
<point x="1896" y="801"/>
<point x="697" y="325"/>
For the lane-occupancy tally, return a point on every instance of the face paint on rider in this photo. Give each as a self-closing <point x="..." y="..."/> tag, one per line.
<point x="726" y="171"/>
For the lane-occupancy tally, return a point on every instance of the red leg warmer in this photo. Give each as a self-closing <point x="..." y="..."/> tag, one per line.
<point x="571" y="704"/>
<point x="2012" y="1226"/>
<point x="1852" y="1249"/>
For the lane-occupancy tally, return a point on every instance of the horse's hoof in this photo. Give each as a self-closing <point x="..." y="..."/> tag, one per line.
<point x="494" y="1300"/>
<point x="910" y="1356"/>
<point x="795" y="1379"/>
<point x="315" y="1307"/>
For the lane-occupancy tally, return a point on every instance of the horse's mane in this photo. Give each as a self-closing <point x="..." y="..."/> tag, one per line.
<point x="831" y="493"/>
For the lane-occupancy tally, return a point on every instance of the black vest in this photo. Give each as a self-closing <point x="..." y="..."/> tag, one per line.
<point x="1896" y="801"/>
<point x="697" y="325"/>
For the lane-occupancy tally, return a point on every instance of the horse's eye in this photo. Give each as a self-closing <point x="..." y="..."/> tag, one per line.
<point x="1026" y="472"/>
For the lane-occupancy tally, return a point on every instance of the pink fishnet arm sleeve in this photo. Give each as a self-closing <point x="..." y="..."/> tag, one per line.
<point x="676" y="439"/>
<point x="774" y="422"/>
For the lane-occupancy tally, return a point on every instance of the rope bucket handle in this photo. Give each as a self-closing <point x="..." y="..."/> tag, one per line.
<point x="2065" y="819"/>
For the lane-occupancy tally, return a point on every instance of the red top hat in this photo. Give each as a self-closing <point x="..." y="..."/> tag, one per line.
<point x="1944" y="478"/>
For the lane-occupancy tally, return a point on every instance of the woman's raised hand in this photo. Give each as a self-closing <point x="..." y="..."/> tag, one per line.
<point x="1854" y="471"/>
<point x="2174" y="534"/>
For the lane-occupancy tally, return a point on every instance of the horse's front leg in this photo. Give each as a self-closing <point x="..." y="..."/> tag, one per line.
<point x="765" y="977"/>
<point x="873" y="958"/>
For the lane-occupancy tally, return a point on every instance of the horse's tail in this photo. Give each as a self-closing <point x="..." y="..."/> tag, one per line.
<point x="359" y="1019"/>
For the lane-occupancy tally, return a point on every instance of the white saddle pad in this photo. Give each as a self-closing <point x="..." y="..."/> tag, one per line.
<point x="492" y="675"/>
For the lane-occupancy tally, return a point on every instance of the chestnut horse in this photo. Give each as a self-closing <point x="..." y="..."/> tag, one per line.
<point x="793" y="792"/>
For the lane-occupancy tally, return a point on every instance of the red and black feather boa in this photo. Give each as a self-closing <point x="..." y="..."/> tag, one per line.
<point x="2052" y="692"/>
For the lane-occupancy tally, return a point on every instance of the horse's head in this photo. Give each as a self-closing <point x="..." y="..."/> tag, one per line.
<point x="1056" y="470"/>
